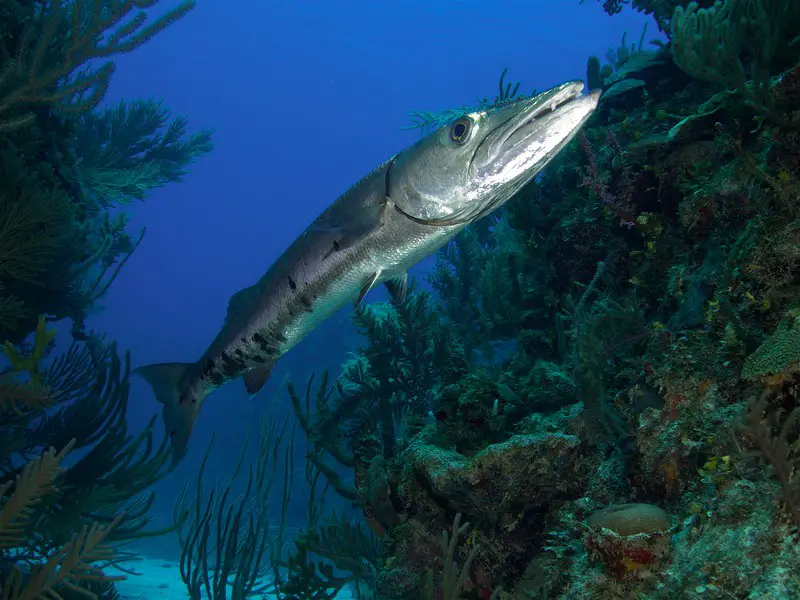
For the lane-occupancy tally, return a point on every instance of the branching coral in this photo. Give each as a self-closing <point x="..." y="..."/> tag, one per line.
<point x="70" y="566"/>
<point x="325" y="556"/>
<point x="409" y="353"/>
<point x="408" y="357"/>
<point x="774" y="436"/>
<point x="131" y="148"/>
<point x="54" y="64"/>
<point x="104" y="493"/>
<point x="62" y="166"/>
<point x="734" y="43"/>
<point x="325" y="425"/>
<point x="225" y="538"/>
<point x="453" y="576"/>
<point x="347" y="545"/>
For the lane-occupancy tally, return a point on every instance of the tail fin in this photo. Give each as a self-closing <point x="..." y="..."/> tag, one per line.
<point x="164" y="379"/>
<point x="180" y="413"/>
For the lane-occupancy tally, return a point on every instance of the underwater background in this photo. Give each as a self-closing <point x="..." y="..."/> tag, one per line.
<point x="591" y="393"/>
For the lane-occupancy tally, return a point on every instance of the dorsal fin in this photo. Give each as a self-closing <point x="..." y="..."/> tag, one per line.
<point x="360" y="210"/>
<point x="351" y="222"/>
<point x="241" y="304"/>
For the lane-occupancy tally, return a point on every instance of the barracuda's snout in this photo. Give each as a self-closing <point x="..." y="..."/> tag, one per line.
<point x="469" y="168"/>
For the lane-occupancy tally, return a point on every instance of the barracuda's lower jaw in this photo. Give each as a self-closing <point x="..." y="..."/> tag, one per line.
<point x="530" y="111"/>
<point x="527" y="145"/>
<point x="539" y="138"/>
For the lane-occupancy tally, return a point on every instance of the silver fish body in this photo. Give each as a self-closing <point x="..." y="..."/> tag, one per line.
<point x="397" y="215"/>
<point x="325" y="268"/>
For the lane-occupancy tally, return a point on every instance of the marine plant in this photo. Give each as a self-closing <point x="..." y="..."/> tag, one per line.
<point x="72" y="565"/>
<point x="409" y="355"/>
<point x="59" y="245"/>
<point x="734" y="44"/>
<point x="649" y="280"/>
<point x="226" y="535"/>
<point x="331" y="552"/>
<point x="55" y="513"/>
<point x="76" y="482"/>
<point x="478" y="287"/>
<point x="125" y="151"/>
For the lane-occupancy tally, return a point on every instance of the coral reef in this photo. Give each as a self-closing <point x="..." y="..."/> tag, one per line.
<point x="76" y="482"/>
<point x="64" y="163"/>
<point x="617" y="412"/>
<point x="599" y="398"/>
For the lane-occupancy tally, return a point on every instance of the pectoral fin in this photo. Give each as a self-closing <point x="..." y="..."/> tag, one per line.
<point x="367" y="287"/>
<point x="398" y="287"/>
<point x="255" y="379"/>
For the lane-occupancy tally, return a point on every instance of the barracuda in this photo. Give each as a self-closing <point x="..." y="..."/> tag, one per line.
<point x="397" y="215"/>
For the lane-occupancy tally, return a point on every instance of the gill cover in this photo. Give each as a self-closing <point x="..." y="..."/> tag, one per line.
<point x="431" y="180"/>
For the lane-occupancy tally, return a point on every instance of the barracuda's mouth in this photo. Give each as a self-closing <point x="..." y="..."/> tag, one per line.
<point x="533" y="112"/>
<point x="517" y="149"/>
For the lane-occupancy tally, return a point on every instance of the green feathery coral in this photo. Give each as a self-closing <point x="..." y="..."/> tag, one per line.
<point x="53" y="64"/>
<point x="131" y="148"/>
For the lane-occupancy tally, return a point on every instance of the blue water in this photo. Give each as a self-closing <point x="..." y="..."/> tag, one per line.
<point x="305" y="97"/>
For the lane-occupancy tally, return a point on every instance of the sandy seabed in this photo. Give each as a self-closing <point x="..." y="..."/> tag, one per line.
<point x="161" y="580"/>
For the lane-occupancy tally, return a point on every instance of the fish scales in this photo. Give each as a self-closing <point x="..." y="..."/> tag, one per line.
<point x="400" y="213"/>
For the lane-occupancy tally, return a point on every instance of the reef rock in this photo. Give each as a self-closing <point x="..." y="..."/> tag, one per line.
<point x="523" y="472"/>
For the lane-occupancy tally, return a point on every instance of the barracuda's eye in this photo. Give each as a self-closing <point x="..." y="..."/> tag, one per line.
<point x="459" y="131"/>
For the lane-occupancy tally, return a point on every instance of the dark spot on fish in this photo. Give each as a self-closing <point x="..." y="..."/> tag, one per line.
<point x="280" y="337"/>
<point x="258" y="358"/>
<point x="209" y="367"/>
<point x="260" y="340"/>
<point x="229" y="365"/>
<point x="172" y="433"/>
<point x="238" y="352"/>
<point x="181" y="398"/>
<point x="292" y="283"/>
<point x="216" y="378"/>
<point x="336" y="247"/>
<point x="305" y="302"/>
